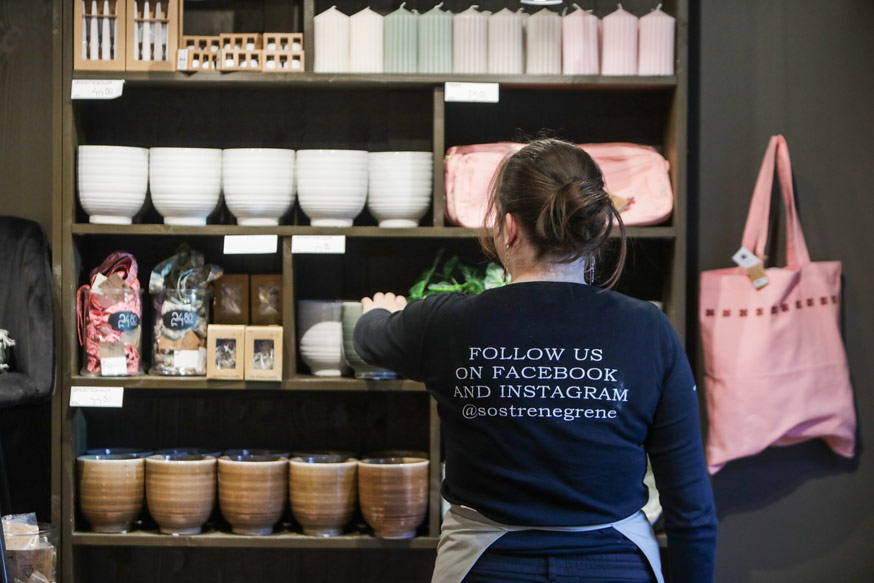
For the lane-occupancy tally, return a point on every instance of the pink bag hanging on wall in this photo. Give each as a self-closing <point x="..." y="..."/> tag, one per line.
<point x="776" y="372"/>
<point x="636" y="173"/>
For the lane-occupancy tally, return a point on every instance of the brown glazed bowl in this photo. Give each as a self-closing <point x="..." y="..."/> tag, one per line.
<point x="393" y="495"/>
<point x="180" y="491"/>
<point x="110" y="490"/>
<point x="323" y="491"/>
<point x="252" y="491"/>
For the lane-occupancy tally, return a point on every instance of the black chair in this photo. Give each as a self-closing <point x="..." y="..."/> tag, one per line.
<point x="26" y="312"/>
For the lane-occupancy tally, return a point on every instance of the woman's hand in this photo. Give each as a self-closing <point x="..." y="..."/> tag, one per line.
<point x="386" y="301"/>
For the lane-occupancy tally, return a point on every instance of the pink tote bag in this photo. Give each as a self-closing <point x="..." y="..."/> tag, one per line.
<point x="636" y="173"/>
<point x="776" y="371"/>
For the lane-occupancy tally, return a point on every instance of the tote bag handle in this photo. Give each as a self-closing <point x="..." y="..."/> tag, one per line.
<point x="756" y="230"/>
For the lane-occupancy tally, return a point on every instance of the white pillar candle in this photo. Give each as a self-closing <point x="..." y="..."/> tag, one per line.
<point x="656" y="44"/>
<point x="619" y="51"/>
<point x="365" y="42"/>
<point x="331" y="42"/>
<point x="470" y="41"/>
<point x="505" y="43"/>
<point x="435" y="41"/>
<point x="543" y="43"/>
<point x="401" y="41"/>
<point x="579" y="43"/>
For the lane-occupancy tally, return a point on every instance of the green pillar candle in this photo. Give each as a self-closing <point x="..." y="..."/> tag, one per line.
<point x="435" y="41"/>
<point x="401" y="41"/>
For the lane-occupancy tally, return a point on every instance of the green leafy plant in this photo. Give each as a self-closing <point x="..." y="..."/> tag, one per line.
<point x="455" y="276"/>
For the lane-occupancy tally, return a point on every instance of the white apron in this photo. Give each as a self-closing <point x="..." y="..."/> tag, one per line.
<point x="466" y="534"/>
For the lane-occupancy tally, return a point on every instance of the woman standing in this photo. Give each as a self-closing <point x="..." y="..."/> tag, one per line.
<point x="551" y="393"/>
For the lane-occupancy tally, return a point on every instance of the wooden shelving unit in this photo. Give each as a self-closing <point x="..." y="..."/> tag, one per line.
<point x="309" y="110"/>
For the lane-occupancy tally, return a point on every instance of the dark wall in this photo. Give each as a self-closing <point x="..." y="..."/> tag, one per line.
<point x="26" y="191"/>
<point x="803" y="69"/>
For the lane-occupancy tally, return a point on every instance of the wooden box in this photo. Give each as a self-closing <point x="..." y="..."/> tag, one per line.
<point x="291" y="42"/>
<point x="264" y="353"/>
<point x="243" y="60"/>
<point x="211" y="43"/>
<point x="283" y="62"/>
<point x="159" y="52"/>
<point x="265" y="299"/>
<point x="198" y="60"/>
<point x="226" y="352"/>
<point x="242" y="41"/>
<point x="231" y="299"/>
<point x="84" y="24"/>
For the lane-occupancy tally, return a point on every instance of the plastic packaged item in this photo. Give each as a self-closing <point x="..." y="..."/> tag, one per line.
<point x="31" y="549"/>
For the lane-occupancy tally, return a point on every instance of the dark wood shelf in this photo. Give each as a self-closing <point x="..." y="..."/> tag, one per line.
<point x="290" y="230"/>
<point x="282" y="540"/>
<point x="385" y="81"/>
<point x="296" y="383"/>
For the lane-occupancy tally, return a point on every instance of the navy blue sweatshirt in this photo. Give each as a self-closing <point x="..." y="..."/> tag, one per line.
<point x="550" y="396"/>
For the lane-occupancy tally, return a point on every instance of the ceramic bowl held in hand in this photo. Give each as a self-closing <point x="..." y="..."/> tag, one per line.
<point x="258" y="184"/>
<point x="110" y="490"/>
<point x="350" y="314"/>
<point x="320" y="336"/>
<point x="180" y="491"/>
<point x="394" y="495"/>
<point x="112" y="181"/>
<point x="252" y="490"/>
<point x="323" y="491"/>
<point x="185" y="183"/>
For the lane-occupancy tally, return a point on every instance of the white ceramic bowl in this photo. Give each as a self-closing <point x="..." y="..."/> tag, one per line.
<point x="321" y="348"/>
<point x="399" y="187"/>
<point x="332" y="185"/>
<point x="113" y="181"/>
<point x="258" y="184"/>
<point x="185" y="183"/>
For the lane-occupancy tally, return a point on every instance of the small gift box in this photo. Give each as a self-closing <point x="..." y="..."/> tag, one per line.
<point x="264" y="353"/>
<point x="226" y="352"/>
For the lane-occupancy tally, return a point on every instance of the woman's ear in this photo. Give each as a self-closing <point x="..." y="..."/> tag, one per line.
<point x="511" y="229"/>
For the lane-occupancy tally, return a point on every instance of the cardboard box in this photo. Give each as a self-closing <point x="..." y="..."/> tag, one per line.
<point x="226" y="352"/>
<point x="231" y="299"/>
<point x="265" y="299"/>
<point x="264" y="353"/>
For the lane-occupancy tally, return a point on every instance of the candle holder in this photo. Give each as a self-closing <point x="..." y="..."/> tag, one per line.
<point x="92" y="20"/>
<point x="152" y="35"/>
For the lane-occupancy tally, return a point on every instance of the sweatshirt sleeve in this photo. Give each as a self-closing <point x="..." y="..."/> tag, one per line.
<point x="677" y="456"/>
<point x="395" y="340"/>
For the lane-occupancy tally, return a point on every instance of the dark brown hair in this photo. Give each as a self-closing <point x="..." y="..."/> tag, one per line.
<point x="556" y="192"/>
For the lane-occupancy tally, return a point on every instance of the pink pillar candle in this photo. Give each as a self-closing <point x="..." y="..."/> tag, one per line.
<point x="505" y="43"/>
<point x="619" y="49"/>
<point x="579" y="43"/>
<point x="543" y="44"/>
<point x="656" y="53"/>
<point x="470" y="41"/>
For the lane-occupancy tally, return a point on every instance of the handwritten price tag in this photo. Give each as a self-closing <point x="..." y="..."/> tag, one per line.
<point x="96" y="88"/>
<point x="471" y="92"/>
<point x="250" y="244"/>
<point x="96" y="396"/>
<point x="318" y="244"/>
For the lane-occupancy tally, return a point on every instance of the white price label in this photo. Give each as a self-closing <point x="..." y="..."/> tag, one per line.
<point x="471" y="92"/>
<point x="745" y="258"/>
<point x="251" y="244"/>
<point x="182" y="60"/>
<point x="186" y="359"/>
<point x="96" y="88"/>
<point x="96" y="396"/>
<point x="113" y="366"/>
<point x="318" y="244"/>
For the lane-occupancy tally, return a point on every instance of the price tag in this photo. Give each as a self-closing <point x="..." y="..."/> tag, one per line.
<point x="753" y="266"/>
<point x="471" y="92"/>
<point x="251" y="244"/>
<point x="182" y="60"/>
<point x="318" y="244"/>
<point x="113" y="366"/>
<point x="96" y="396"/>
<point x="186" y="359"/>
<point x="96" y="88"/>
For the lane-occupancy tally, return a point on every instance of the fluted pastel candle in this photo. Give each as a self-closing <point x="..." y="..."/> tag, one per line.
<point x="619" y="43"/>
<point x="401" y="41"/>
<point x="366" y="42"/>
<point x="505" y="43"/>
<point x="331" y="42"/>
<point x="470" y="41"/>
<point x="656" y="44"/>
<point x="435" y="41"/>
<point x="543" y="44"/>
<point x="579" y="43"/>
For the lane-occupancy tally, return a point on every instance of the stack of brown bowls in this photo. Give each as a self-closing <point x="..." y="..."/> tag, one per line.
<point x="111" y="490"/>
<point x="180" y="491"/>
<point x="323" y="491"/>
<point x="252" y="491"/>
<point x="393" y="495"/>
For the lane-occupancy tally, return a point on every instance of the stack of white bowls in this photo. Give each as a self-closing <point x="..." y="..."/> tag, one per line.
<point x="258" y="184"/>
<point x="113" y="181"/>
<point x="320" y="336"/>
<point x="400" y="185"/>
<point x="332" y="185"/>
<point x="185" y="183"/>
